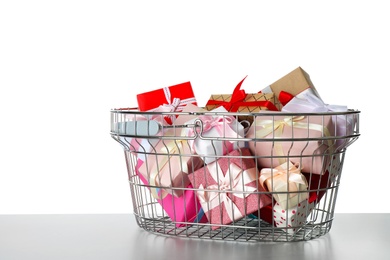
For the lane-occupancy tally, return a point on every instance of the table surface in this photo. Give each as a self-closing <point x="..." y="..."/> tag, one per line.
<point x="117" y="236"/>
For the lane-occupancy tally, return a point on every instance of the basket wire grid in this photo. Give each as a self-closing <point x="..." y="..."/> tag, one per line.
<point x="171" y="207"/>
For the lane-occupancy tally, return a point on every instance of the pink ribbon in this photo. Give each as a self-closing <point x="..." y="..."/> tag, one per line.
<point x="210" y="122"/>
<point x="223" y="125"/>
<point x="234" y="182"/>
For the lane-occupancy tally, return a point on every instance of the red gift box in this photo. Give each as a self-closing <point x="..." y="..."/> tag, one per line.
<point x="176" y="96"/>
<point x="227" y="188"/>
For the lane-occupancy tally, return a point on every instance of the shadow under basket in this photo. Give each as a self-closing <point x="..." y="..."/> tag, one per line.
<point x="271" y="177"/>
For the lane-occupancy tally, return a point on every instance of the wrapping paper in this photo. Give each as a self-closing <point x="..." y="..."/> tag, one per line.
<point x="215" y="126"/>
<point x="311" y="155"/>
<point x="239" y="101"/>
<point x="227" y="186"/>
<point x="168" y="166"/>
<point x="168" y="99"/>
<point x="294" y="83"/>
<point x="287" y="184"/>
<point x="291" y="220"/>
<point x="185" y="208"/>
<point x="307" y="101"/>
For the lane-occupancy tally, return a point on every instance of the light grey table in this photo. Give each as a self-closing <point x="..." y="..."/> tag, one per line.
<point x="117" y="237"/>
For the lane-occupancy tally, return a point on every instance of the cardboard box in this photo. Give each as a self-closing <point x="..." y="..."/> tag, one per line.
<point x="293" y="83"/>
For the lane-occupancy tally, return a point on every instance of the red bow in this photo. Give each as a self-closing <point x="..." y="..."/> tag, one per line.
<point x="285" y="97"/>
<point x="237" y="100"/>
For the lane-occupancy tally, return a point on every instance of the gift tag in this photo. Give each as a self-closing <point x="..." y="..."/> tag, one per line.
<point x="148" y="128"/>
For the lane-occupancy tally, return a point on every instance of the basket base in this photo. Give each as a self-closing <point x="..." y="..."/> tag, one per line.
<point x="244" y="230"/>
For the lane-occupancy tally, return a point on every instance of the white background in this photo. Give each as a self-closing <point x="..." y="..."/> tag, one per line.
<point x="65" y="64"/>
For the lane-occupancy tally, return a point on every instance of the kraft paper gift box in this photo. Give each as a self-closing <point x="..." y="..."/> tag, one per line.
<point x="167" y="99"/>
<point x="292" y="219"/>
<point x="292" y="83"/>
<point x="311" y="155"/>
<point x="242" y="102"/>
<point x="215" y="126"/>
<point x="287" y="184"/>
<point x="168" y="164"/>
<point x="307" y="102"/>
<point x="180" y="210"/>
<point x="227" y="188"/>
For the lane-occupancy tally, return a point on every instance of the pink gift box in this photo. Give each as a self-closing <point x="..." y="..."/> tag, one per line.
<point x="168" y="165"/>
<point x="227" y="188"/>
<point x="311" y="155"/>
<point x="185" y="208"/>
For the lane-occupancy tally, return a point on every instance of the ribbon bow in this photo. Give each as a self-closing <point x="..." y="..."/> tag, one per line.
<point x="287" y="179"/>
<point x="237" y="100"/>
<point x="233" y="182"/>
<point x="176" y="104"/>
<point x="210" y="122"/>
<point x="223" y="126"/>
<point x="307" y="101"/>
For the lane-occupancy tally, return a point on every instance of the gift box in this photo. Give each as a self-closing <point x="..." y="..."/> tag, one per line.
<point x="215" y="127"/>
<point x="287" y="184"/>
<point x="291" y="220"/>
<point x="292" y="83"/>
<point x="283" y="138"/>
<point x="308" y="102"/>
<point x="168" y="99"/>
<point x="227" y="188"/>
<point x="239" y="101"/>
<point x="252" y="103"/>
<point x="181" y="210"/>
<point x="168" y="165"/>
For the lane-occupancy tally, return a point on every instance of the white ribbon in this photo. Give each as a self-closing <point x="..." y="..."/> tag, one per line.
<point x="307" y="101"/>
<point x="177" y="104"/>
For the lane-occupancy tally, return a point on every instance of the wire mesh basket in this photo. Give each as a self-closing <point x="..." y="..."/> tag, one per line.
<point x="267" y="176"/>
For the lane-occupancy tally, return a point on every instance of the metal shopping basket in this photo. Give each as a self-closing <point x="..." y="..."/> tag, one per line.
<point x="269" y="176"/>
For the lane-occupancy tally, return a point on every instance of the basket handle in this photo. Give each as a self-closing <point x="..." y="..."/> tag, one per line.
<point x="146" y="128"/>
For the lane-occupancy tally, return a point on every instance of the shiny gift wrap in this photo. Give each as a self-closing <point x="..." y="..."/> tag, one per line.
<point x="287" y="184"/>
<point x="226" y="188"/>
<point x="311" y="155"/>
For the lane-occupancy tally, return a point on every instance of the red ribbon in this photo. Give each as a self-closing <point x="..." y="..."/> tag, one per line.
<point x="285" y="97"/>
<point x="237" y="100"/>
